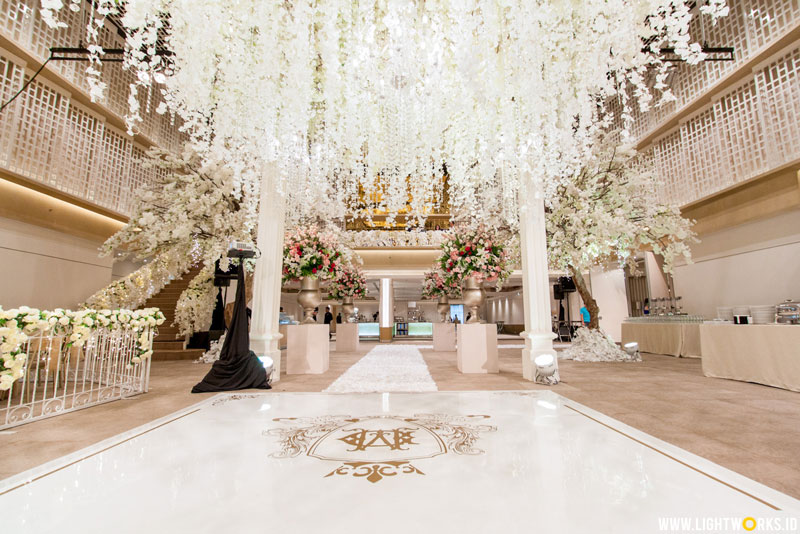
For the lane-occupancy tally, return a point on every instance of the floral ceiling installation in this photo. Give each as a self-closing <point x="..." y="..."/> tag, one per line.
<point x="347" y="99"/>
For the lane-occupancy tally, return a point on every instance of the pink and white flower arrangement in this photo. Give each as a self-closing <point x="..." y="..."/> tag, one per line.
<point x="349" y="282"/>
<point x="309" y="252"/>
<point x="478" y="253"/>
<point x="435" y="284"/>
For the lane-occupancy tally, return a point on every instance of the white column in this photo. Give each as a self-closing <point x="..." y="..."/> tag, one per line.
<point x="386" y="310"/>
<point x="538" y="332"/>
<point x="264" y="334"/>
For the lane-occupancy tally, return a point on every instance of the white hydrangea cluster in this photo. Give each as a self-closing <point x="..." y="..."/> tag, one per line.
<point x="608" y="211"/>
<point x="195" y="306"/>
<point x="594" y="345"/>
<point x="134" y="289"/>
<point x="192" y="210"/>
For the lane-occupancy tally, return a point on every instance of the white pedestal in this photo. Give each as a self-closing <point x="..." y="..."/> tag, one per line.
<point x="307" y="349"/>
<point x="477" y="348"/>
<point x="347" y="337"/>
<point x="444" y="337"/>
<point x="284" y="339"/>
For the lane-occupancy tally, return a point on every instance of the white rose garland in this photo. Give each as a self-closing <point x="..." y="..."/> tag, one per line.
<point x="18" y="325"/>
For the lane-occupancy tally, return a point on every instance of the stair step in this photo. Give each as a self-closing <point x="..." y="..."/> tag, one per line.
<point x="167" y="344"/>
<point x="183" y="354"/>
<point x="167" y="334"/>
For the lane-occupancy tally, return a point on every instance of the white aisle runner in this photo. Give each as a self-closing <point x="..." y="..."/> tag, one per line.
<point x="392" y="368"/>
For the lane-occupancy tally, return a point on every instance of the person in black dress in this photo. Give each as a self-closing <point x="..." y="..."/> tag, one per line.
<point x="328" y="320"/>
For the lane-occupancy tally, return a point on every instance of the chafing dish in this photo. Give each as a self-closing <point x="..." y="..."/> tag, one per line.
<point x="788" y="312"/>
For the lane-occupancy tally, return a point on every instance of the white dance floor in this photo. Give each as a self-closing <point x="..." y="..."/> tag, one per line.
<point x="467" y="462"/>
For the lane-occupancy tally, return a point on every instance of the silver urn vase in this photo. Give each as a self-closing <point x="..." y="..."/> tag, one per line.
<point x="348" y="310"/>
<point x="309" y="298"/>
<point x="473" y="298"/>
<point x="443" y="308"/>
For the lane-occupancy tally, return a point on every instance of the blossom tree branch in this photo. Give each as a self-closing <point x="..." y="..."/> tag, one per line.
<point x="607" y="212"/>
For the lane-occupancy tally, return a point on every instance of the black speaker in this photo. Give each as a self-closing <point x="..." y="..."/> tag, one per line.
<point x="567" y="284"/>
<point x="558" y="293"/>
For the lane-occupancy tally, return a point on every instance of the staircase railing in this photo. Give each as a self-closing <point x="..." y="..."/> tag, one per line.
<point x="59" y="377"/>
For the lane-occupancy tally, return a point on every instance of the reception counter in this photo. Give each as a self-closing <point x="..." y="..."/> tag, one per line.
<point x="765" y="354"/>
<point x="369" y="330"/>
<point x="414" y="330"/>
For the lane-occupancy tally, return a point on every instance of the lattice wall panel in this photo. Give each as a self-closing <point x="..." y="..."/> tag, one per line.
<point x="779" y="86"/>
<point x="47" y="137"/>
<point x="22" y="24"/>
<point x="741" y="132"/>
<point x="701" y="148"/>
<point x="769" y="19"/>
<point x="83" y="133"/>
<point x="37" y="131"/>
<point x="749" y="28"/>
<point x="12" y="76"/>
<point x="667" y="154"/>
<point x="14" y="19"/>
<point x="749" y="130"/>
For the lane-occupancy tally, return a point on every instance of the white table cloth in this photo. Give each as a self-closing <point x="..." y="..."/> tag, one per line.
<point x="657" y="338"/>
<point x="765" y="354"/>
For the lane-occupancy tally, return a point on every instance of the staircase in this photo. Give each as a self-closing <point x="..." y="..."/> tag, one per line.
<point x="165" y="344"/>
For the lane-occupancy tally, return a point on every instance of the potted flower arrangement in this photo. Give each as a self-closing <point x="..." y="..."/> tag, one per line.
<point x="436" y="285"/>
<point x="349" y="284"/>
<point x="472" y="256"/>
<point x="311" y="255"/>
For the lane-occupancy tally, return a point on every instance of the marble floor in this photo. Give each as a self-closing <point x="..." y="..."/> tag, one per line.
<point x="482" y="462"/>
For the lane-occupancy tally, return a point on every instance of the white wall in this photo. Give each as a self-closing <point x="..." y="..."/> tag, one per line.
<point x="48" y="269"/>
<point x="123" y="268"/>
<point x="755" y="263"/>
<point x="507" y="308"/>
<point x="608" y="289"/>
<point x="427" y="306"/>
<point x="656" y="279"/>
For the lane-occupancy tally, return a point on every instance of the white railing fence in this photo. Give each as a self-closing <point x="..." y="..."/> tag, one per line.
<point x="59" y="378"/>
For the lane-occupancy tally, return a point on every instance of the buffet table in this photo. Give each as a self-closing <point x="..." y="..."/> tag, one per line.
<point x="766" y="354"/>
<point x="674" y="339"/>
<point x="691" y="347"/>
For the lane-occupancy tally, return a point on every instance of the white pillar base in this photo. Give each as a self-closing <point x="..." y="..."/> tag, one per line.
<point x="347" y="337"/>
<point x="536" y="344"/>
<point x="267" y="346"/>
<point x="477" y="348"/>
<point x="444" y="337"/>
<point x="308" y="349"/>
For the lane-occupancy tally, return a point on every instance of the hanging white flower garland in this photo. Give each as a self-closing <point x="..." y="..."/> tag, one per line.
<point x="363" y="106"/>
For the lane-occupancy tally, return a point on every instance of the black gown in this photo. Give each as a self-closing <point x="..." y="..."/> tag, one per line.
<point x="238" y="367"/>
